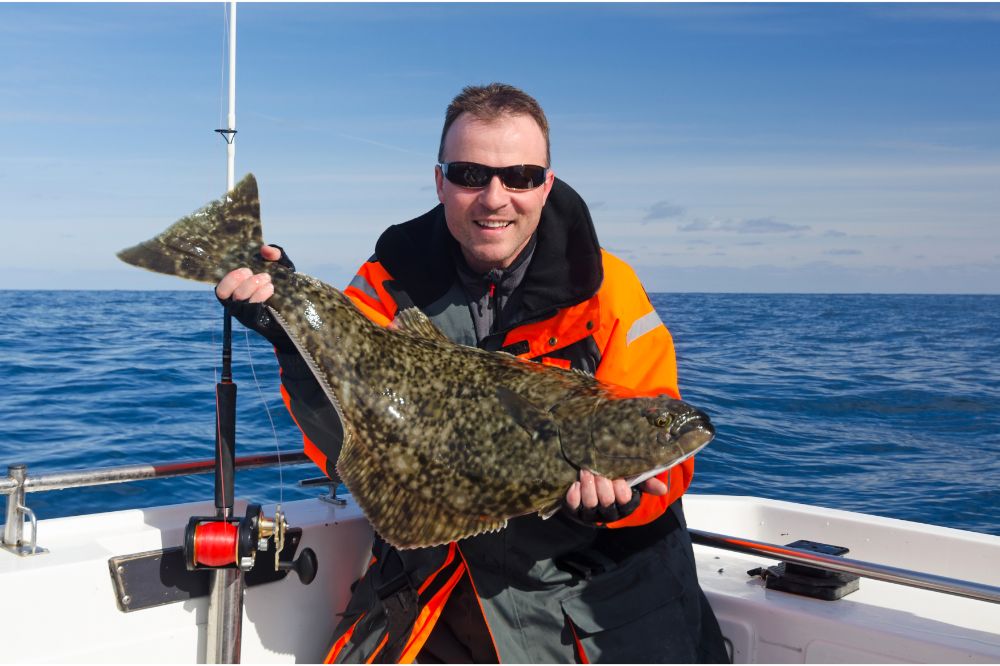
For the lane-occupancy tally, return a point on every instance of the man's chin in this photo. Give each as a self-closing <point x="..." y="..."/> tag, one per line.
<point x="483" y="259"/>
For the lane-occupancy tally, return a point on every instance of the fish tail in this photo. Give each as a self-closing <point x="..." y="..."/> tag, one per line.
<point x="207" y="244"/>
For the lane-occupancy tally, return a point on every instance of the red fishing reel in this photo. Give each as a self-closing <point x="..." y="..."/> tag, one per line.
<point x="214" y="543"/>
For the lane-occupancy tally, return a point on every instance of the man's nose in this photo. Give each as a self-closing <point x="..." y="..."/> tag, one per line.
<point x="494" y="196"/>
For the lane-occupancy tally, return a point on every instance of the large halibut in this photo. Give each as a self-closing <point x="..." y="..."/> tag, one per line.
<point x="441" y="441"/>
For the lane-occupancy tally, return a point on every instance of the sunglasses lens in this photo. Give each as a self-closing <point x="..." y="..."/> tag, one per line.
<point x="472" y="175"/>
<point x="469" y="174"/>
<point x="522" y="176"/>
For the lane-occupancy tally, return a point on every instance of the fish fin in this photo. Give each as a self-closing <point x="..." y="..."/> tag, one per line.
<point x="414" y="322"/>
<point x="538" y="422"/>
<point x="402" y="501"/>
<point x="547" y="512"/>
<point x="204" y="246"/>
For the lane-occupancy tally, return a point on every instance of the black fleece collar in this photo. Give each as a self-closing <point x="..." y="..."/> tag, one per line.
<point x="565" y="270"/>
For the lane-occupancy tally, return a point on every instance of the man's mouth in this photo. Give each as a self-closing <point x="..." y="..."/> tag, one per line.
<point x="493" y="224"/>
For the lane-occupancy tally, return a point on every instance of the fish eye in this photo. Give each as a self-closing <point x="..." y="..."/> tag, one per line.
<point x="661" y="420"/>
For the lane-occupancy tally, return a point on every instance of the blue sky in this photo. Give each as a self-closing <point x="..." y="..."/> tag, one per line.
<point x="747" y="147"/>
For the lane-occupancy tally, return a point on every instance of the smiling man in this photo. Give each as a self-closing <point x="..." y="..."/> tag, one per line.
<point x="493" y="213"/>
<point x="510" y="262"/>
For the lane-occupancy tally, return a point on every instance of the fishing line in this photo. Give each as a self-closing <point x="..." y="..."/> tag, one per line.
<point x="216" y="544"/>
<point x="274" y="431"/>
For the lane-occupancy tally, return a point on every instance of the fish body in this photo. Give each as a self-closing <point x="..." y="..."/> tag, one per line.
<point x="441" y="441"/>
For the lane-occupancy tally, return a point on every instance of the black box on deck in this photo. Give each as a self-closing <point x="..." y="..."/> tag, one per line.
<point x="808" y="581"/>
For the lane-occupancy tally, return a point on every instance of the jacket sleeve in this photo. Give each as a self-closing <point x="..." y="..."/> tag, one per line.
<point x="638" y="353"/>
<point x="322" y="431"/>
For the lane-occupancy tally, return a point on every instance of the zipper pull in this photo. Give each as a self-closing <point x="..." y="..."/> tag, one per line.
<point x="493" y="277"/>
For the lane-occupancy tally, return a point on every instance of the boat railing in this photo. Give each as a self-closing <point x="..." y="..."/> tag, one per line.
<point x="884" y="572"/>
<point x="18" y="483"/>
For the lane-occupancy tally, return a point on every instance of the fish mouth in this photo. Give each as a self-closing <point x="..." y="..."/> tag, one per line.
<point x="692" y="431"/>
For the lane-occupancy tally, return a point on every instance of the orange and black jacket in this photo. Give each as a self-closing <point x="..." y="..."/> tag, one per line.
<point x="553" y="590"/>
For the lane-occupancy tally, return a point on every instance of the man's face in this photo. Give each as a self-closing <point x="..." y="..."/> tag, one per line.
<point x="493" y="224"/>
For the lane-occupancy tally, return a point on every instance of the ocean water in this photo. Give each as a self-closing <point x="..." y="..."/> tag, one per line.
<point x="885" y="404"/>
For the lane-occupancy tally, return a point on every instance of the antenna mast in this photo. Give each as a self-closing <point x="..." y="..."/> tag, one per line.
<point x="229" y="133"/>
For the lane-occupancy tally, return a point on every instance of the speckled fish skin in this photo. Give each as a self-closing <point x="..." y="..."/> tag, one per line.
<point x="442" y="441"/>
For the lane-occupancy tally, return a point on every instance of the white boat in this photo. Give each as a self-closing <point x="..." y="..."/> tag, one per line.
<point x="84" y="599"/>
<point x="113" y="587"/>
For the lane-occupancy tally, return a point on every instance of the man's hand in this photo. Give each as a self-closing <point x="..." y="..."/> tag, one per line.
<point x="243" y="285"/>
<point x="245" y="293"/>
<point x="595" y="498"/>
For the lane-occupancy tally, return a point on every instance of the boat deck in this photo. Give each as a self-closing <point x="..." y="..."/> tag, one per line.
<point x="61" y="605"/>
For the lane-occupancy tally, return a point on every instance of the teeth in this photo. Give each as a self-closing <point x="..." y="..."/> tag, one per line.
<point x="492" y="224"/>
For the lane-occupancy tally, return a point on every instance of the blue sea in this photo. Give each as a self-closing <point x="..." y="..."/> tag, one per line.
<point x="885" y="404"/>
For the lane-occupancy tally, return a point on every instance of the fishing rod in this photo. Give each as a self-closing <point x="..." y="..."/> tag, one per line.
<point x="224" y="544"/>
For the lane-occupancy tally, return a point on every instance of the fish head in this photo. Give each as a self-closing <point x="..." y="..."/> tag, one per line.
<point x="627" y="437"/>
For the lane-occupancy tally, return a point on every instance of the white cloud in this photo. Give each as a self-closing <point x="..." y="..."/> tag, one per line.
<point x="760" y="225"/>
<point x="662" y="210"/>
<point x="697" y="225"/>
<point x="765" y="225"/>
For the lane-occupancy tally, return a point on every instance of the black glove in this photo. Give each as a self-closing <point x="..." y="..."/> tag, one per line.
<point x="257" y="317"/>
<point x="603" y="514"/>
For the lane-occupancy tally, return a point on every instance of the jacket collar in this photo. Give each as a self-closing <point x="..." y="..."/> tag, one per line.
<point x="566" y="268"/>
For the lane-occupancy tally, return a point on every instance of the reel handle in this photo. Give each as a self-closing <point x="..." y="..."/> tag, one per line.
<point x="305" y="566"/>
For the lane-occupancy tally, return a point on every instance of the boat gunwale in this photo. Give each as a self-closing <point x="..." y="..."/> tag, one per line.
<point x="139" y="472"/>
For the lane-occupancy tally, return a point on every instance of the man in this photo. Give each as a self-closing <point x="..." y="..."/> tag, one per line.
<point x="510" y="262"/>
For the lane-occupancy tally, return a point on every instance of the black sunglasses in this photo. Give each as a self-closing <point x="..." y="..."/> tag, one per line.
<point x="518" y="177"/>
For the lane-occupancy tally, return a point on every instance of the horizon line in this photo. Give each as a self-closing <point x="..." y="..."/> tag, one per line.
<point x="720" y="293"/>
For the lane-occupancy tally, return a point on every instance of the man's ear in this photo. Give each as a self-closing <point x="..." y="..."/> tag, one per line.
<point x="550" y="179"/>
<point x="439" y="182"/>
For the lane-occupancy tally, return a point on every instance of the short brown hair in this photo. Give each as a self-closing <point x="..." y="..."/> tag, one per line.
<point x="490" y="102"/>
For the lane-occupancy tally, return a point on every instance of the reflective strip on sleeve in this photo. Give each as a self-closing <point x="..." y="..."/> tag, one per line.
<point x="642" y="326"/>
<point x="364" y="287"/>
